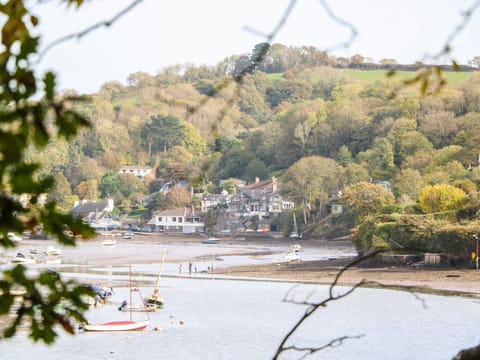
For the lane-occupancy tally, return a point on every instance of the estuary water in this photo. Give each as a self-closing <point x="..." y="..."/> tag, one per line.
<point x="216" y="318"/>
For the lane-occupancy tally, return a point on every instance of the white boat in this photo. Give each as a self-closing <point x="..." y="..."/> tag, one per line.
<point x="296" y="248"/>
<point x="295" y="234"/>
<point x="53" y="261"/>
<point x="136" y="308"/>
<point x="155" y="300"/>
<point x="14" y="238"/>
<point x="292" y="256"/>
<point x="211" y="240"/>
<point x="128" y="236"/>
<point x="109" y="242"/>
<point x="22" y="259"/>
<point x="52" y="251"/>
<point x="108" y="239"/>
<point x="118" y="325"/>
<point x="124" y="325"/>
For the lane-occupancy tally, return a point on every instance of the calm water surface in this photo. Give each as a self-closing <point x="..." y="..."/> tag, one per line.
<point x="213" y="318"/>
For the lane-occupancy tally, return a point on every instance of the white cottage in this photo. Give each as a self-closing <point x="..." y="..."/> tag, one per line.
<point x="141" y="172"/>
<point x="180" y="220"/>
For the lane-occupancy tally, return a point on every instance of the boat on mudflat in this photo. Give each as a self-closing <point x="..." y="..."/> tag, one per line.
<point x="109" y="242"/>
<point x="211" y="240"/>
<point x="52" y="251"/>
<point x="22" y="259"/>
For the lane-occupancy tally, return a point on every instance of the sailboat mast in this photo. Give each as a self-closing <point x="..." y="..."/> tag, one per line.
<point x="130" y="271"/>
<point x="157" y="283"/>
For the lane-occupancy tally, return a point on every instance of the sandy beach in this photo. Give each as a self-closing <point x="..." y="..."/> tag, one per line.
<point x="183" y="249"/>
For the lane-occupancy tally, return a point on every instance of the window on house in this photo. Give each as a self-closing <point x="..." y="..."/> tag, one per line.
<point x="174" y="219"/>
<point x="180" y="219"/>
<point x="159" y="218"/>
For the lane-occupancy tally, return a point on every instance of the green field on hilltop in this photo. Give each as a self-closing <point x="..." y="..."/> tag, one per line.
<point x="452" y="77"/>
<point x="275" y="77"/>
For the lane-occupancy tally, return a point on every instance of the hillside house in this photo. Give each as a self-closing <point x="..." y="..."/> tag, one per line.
<point x="260" y="199"/>
<point x="141" y="172"/>
<point x="336" y="209"/>
<point x="212" y="200"/>
<point x="97" y="214"/>
<point x="387" y="185"/>
<point x="180" y="220"/>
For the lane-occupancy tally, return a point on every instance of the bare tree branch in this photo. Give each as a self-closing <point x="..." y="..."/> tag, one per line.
<point x="278" y="27"/>
<point x="88" y="30"/>
<point x="333" y="16"/>
<point x="467" y="16"/>
<point x="331" y="344"/>
<point x="312" y="307"/>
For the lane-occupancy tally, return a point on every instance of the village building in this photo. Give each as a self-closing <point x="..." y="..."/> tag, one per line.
<point x="180" y="220"/>
<point x="210" y="201"/>
<point x="387" y="185"/>
<point x="336" y="209"/>
<point x="141" y="172"/>
<point x="252" y="205"/>
<point x="97" y="214"/>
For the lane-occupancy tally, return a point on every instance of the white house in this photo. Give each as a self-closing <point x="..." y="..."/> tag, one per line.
<point x="180" y="220"/>
<point x="139" y="171"/>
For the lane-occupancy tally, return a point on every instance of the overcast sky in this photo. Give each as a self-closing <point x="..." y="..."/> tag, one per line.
<point x="159" y="33"/>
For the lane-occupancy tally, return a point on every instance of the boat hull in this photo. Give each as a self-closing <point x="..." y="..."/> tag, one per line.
<point x="109" y="242"/>
<point x="139" y="309"/>
<point x="117" y="326"/>
<point x="154" y="303"/>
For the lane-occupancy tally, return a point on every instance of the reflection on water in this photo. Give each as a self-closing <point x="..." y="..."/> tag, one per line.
<point x="225" y="319"/>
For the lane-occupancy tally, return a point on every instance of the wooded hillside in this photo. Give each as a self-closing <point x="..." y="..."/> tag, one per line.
<point x="196" y="124"/>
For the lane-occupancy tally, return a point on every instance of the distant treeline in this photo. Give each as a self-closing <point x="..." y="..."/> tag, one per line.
<point x="404" y="67"/>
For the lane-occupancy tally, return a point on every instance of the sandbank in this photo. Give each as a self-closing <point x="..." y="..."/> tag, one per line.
<point x="150" y="249"/>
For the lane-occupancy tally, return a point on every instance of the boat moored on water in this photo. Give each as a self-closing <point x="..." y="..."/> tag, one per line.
<point x="155" y="300"/>
<point x="125" y="325"/>
<point x="119" y="325"/>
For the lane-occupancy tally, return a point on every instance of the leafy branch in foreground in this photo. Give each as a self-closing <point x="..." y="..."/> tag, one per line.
<point x="40" y="303"/>
<point x="32" y="118"/>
